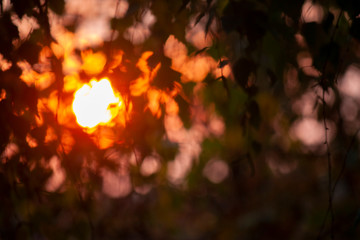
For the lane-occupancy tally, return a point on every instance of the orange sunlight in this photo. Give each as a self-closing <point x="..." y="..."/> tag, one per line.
<point x="96" y="103"/>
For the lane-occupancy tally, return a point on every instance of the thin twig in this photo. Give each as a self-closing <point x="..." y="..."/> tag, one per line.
<point x="338" y="179"/>
<point x="324" y="86"/>
<point x="330" y="197"/>
<point x="115" y="16"/>
<point x="344" y="160"/>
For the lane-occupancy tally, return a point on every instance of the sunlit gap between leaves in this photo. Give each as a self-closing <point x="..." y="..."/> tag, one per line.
<point x="96" y="103"/>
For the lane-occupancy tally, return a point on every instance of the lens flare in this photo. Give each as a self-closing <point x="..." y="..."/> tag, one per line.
<point x="96" y="103"/>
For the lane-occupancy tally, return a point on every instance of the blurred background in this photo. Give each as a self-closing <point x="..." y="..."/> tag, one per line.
<point x="184" y="119"/>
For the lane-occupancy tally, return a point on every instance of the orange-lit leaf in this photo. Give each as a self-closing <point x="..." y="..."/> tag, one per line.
<point x="93" y="63"/>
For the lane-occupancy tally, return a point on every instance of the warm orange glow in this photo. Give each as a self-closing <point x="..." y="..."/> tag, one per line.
<point x="142" y="83"/>
<point x="31" y="141"/>
<point x="72" y="83"/>
<point x="93" y="63"/>
<point x="67" y="142"/>
<point x="96" y="103"/>
<point x="2" y="94"/>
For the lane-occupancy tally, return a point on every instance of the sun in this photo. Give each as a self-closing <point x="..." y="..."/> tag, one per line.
<point x="96" y="103"/>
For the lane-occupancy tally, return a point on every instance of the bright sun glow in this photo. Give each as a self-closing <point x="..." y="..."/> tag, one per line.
<point x="96" y="103"/>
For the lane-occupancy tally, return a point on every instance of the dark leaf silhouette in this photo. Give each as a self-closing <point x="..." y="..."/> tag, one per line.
<point x="29" y="51"/>
<point x="166" y="76"/>
<point x="354" y="29"/>
<point x="57" y="6"/>
<point x="23" y="7"/>
<point x="242" y="69"/>
<point x="9" y="32"/>
<point x="223" y="63"/>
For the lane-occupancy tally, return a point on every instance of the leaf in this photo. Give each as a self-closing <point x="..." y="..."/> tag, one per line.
<point x="5" y="187"/>
<point x="29" y="51"/>
<point x="254" y="112"/>
<point x="23" y="7"/>
<point x="4" y="137"/>
<point x="225" y="84"/>
<point x="223" y="63"/>
<point x="355" y="29"/>
<point x="251" y="164"/>
<point x="167" y="149"/>
<point x="184" y="111"/>
<point x="39" y="133"/>
<point x="199" y="17"/>
<point x="242" y="69"/>
<point x="30" y="98"/>
<point x="57" y="6"/>
<point x="256" y="146"/>
<point x="352" y="7"/>
<point x="272" y="77"/>
<point x="166" y="76"/>
<point x="314" y="36"/>
<point x="183" y="5"/>
<point x="154" y="60"/>
<point x="356" y="221"/>
<point x="328" y="22"/>
<point x="188" y="89"/>
<point x="247" y="19"/>
<point x="328" y="59"/>
<point x="4" y="127"/>
<point x="200" y="51"/>
<point x="121" y="24"/>
<point x="20" y="126"/>
<point x="169" y="21"/>
<point x="291" y="8"/>
<point x="8" y="32"/>
<point x="132" y="9"/>
<point x="209" y="21"/>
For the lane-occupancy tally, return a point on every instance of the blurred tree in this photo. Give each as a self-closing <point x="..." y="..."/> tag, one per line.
<point x="222" y="119"/>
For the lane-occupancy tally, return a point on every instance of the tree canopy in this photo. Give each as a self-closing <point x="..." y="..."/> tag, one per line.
<point x="183" y="119"/>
